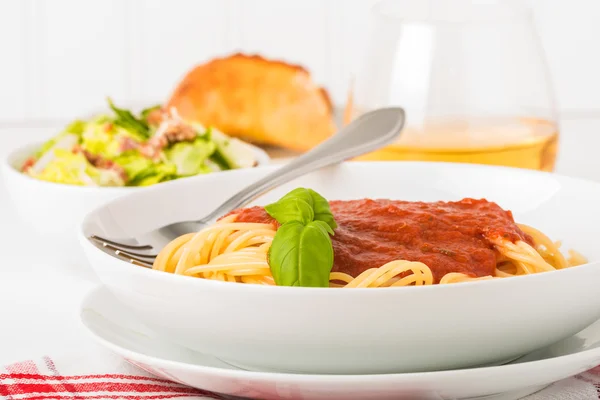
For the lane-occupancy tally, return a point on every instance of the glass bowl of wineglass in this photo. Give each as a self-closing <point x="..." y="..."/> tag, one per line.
<point x="472" y="77"/>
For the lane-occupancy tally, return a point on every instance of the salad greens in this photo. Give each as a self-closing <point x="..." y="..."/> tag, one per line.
<point x="301" y="253"/>
<point x="124" y="149"/>
<point x="188" y="158"/>
<point x="73" y="168"/>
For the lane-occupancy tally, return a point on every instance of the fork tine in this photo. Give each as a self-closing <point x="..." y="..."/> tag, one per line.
<point x="120" y="245"/>
<point x="141" y="264"/>
<point x="133" y="260"/>
<point x="129" y="253"/>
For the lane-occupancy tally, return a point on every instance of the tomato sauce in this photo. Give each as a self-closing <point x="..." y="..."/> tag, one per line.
<point x="446" y="236"/>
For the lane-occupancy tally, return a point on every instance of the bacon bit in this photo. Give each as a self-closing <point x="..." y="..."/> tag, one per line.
<point x="30" y="162"/>
<point x="103" y="163"/>
<point x="156" y="117"/>
<point x="151" y="149"/>
<point x="129" y="144"/>
<point x="168" y="132"/>
<point x="179" y="132"/>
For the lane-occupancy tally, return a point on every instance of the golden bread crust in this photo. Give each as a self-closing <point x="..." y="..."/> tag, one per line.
<point x="262" y="101"/>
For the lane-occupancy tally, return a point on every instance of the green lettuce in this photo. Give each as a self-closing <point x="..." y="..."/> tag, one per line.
<point x="142" y="171"/>
<point x="74" y="169"/>
<point x="101" y="138"/>
<point x="134" y="164"/>
<point x="231" y="153"/>
<point x="189" y="157"/>
<point x="76" y="127"/>
<point x="154" y="174"/>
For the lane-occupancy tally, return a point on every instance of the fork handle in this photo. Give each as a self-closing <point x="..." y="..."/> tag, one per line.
<point x="369" y="132"/>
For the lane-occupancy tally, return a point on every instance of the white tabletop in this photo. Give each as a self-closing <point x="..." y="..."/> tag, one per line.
<point x="39" y="299"/>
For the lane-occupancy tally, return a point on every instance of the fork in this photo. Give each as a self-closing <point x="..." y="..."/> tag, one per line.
<point x="367" y="133"/>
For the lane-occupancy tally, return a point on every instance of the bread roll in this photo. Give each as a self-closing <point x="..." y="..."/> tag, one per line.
<point x="258" y="100"/>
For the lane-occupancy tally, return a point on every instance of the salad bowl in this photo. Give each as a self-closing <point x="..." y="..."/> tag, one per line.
<point x="56" y="183"/>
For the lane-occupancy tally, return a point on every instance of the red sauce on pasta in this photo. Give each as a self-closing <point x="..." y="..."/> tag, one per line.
<point x="446" y="236"/>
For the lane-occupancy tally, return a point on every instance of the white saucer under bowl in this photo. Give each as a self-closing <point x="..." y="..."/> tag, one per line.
<point x="115" y="328"/>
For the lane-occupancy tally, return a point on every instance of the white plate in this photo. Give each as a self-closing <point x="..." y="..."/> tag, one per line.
<point x="118" y="330"/>
<point x="358" y="331"/>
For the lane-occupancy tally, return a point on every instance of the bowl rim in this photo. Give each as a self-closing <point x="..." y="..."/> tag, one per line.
<point x="173" y="279"/>
<point x="24" y="150"/>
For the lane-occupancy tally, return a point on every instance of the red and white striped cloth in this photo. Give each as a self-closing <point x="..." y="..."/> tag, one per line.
<point x="100" y="376"/>
<point x="97" y="378"/>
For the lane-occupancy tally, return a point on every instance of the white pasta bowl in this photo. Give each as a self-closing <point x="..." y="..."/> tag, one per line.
<point x="54" y="211"/>
<point x="332" y="330"/>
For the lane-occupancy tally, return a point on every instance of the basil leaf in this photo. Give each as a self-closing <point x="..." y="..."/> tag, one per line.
<point x="318" y="203"/>
<point x="127" y="120"/>
<point x="325" y="226"/>
<point x="300" y="193"/>
<point x="322" y="210"/>
<point x="302" y="255"/>
<point x="283" y="252"/>
<point x="291" y="209"/>
<point x="316" y="252"/>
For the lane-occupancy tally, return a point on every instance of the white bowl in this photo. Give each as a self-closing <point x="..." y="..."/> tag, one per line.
<point x="323" y="330"/>
<point x="55" y="211"/>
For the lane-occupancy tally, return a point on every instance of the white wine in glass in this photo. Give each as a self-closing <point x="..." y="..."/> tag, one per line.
<point x="471" y="76"/>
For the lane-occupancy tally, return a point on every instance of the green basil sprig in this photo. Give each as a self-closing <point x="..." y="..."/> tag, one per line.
<point x="125" y="119"/>
<point x="302" y="253"/>
<point x="302" y="205"/>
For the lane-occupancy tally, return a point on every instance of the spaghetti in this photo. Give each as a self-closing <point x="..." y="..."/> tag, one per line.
<point x="233" y="250"/>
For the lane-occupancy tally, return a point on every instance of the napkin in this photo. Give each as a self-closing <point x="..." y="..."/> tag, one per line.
<point x="95" y="376"/>
<point x="100" y="375"/>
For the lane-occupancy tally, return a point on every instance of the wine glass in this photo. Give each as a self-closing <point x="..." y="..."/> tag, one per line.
<point x="472" y="77"/>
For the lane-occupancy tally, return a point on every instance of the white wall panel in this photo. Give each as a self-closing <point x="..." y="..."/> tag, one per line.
<point x="83" y="55"/>
<point x="570" y="33"/>
<point x="14" y="88"/>
<point x="168" y="38"/>
<point x="294" y="31"/>
<point x="61" y="58"/>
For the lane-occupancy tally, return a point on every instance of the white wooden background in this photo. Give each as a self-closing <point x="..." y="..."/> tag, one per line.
<point x="60" y="58"/>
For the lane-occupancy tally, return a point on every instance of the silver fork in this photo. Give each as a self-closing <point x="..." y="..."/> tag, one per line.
<point x="369" y="132"/>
